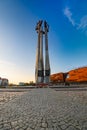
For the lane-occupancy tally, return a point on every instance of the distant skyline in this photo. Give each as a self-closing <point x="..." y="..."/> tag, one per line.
<point x="67" y="36"/>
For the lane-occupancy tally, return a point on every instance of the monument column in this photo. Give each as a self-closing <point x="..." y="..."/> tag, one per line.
<point x="38" y="67"/>
<point x="47" y="64"/>
<point x="41" y="54"/>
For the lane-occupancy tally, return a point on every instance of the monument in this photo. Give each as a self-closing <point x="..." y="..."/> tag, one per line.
<point x="42" y="74"/>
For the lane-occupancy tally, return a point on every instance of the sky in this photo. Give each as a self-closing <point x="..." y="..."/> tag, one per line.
<point x="67" y="36"/>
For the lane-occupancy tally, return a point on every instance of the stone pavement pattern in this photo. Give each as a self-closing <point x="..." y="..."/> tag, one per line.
<point x="7" y="96"/>
<point x="45" y="109"/>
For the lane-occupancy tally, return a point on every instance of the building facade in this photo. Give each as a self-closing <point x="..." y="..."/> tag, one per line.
<point x="4" y="82"/>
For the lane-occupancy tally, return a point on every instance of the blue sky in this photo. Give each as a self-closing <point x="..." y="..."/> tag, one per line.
<point x="67" y="20"/>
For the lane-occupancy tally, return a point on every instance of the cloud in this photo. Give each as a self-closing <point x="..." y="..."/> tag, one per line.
<point x="83" y="24"/>
<point x="68" y="14"/>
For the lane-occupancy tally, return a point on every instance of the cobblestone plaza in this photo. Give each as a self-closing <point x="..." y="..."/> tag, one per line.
<point x="45" y="109"/>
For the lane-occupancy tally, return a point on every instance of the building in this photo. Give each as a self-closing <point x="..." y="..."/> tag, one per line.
<point x="78" y="75"/>
<point x="58" y="77"/>
<point x="0" y="81"/>
<point x="21" y="83"/>
<point x="3" y="82"/>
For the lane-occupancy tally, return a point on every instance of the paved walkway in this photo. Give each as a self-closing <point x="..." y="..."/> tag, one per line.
<point x="45" y="109"/>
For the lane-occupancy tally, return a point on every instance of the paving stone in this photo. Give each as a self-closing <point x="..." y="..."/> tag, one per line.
<point x="42" y="128"/>
<point x="63" y="127"/>
<point x="7" y="126"/>
<point x="1" y="126"/>
<point x="71" y="128"/>
<point x="14" y="123"/>
<point x="44" y="125"/>
<point x="84" y="128"/>
<point x="49" y="129"/>
<point x="85" y="124"/>
<point x="28" y="128"/>
<point x="45" y="109"/>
